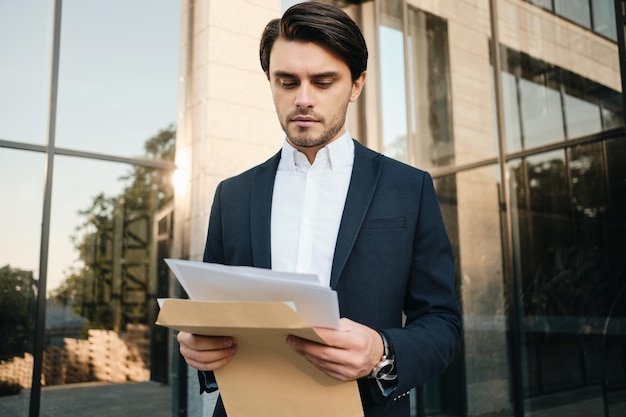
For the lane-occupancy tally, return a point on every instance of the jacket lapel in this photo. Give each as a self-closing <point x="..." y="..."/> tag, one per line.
<point x="260" y="212"/>
<point x="365" y="174"/>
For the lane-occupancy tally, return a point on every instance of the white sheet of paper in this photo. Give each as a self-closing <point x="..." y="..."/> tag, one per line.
<point x="317" y="304"/>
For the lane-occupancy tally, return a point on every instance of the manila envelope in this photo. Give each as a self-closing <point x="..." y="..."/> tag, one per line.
<point x="266" y="378"/>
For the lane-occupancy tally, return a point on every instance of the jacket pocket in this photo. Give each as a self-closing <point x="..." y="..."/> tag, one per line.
<point x="394" y="223"/>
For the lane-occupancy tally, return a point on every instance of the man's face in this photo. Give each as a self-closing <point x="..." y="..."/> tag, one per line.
<point x="311" y="89"/>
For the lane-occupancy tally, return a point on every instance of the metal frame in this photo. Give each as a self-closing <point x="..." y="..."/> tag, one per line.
<point x="512" y="287"/>
<point x="40" y="320"/>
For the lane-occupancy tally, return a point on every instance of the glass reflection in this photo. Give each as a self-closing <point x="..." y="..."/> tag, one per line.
<point x="118" y="75"/>
<point x="545" y="104"/>
<point x="101" y="300"/>
<point x="21" y="194"/>
<point x="432" y="135"/>
<point x="614" y="342"/>
<point x="603" y="13"/>
<point x="571" y="276"/>
<point x="392" y="82"/>
<point x="477" y="384"/>
<point x="546" y="4"/>
<point x="26" y="28"/>
<point x="574" y="10"/>
<point x="542" y="115"/>
<point x="582" y="117"/>
<point x="597" y="15"/>
<point x="511" y="112"/>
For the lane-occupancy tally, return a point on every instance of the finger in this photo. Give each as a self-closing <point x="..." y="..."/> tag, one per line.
<point x="209" y="362"/>
<point x="352" y="352"/>
<point x="199" y="342"/>
<point x="204" y="352"/>
<point x="336" y="362"/>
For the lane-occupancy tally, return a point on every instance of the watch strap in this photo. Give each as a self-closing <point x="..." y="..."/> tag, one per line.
<point x="385" y="369"/>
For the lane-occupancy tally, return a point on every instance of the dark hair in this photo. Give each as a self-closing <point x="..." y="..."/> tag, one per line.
<point x="322" y="24"/>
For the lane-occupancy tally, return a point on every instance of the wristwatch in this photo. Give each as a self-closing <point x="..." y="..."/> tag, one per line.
<point x="385" y="369"/>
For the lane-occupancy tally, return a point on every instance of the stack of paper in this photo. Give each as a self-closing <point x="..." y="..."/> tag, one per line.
<point x="259" y="308"/>
<point x="213" y="282"/>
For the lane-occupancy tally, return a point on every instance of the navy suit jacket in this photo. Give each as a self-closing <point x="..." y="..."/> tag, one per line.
<point x="393" y="267"/>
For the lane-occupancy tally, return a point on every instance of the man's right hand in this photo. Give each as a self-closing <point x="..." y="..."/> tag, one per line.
<point x="206" y="353"/>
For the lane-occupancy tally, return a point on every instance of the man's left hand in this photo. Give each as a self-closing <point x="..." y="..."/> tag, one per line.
<point x="352" y="353"/>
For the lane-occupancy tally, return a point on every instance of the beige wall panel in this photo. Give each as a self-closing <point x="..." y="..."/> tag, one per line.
<point x="243" y="16"/>
<point x="473" y="143"/>
<point x="469" y="38"/>
<point x="228" y="115"/>
<point x="233" y="85"/>
<point x="468" y="62"/>
<point x="474" y="116"/>
<point x="475" y="90"/>
<point x="226" y="120"/>
<point x="243" y="124"/>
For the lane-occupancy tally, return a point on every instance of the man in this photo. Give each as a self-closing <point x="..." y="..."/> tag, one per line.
<point x="368" y="226"/>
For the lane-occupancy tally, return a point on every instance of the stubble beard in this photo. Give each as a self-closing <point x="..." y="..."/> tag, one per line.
<point x="302" y="137"/>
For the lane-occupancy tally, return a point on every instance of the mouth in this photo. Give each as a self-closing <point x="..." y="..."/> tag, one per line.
<point x="304" y="121"/>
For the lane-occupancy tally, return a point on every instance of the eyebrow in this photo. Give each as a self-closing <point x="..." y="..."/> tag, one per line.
<point x="328" y="74"/>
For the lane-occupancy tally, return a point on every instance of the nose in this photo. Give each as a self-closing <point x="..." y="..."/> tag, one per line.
<point x="304" y="96"/>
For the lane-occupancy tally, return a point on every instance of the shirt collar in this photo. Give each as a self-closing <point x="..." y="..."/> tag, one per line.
<point x="336" y="154"/>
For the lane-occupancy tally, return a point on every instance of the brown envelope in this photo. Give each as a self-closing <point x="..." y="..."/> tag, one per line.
<point x="266" y="377"/>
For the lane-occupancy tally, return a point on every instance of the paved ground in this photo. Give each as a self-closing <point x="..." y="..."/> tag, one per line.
<point x="151" y="399"/>
<point x="95" y="400"/>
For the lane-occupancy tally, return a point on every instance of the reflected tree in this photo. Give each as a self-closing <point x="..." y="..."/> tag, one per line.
<point x="18" y="295"/>
<point x="109" y="283"/>
<point x="567" y="269"/>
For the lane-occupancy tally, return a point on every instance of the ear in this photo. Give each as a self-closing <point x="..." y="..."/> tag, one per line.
<point x="357" y="86"/>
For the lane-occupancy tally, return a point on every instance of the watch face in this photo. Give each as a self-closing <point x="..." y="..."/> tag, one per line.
<point x="384" y="369"/>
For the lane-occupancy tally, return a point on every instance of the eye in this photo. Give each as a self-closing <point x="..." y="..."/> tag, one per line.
<point x="287" y="83"/>
<point x="325" y="83"/>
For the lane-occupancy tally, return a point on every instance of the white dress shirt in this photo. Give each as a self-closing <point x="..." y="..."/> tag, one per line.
<point x="307" y="206"/>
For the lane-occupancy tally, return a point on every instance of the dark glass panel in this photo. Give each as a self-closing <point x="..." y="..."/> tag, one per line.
<point x="474" y="228"/>
<point x="569" y="262"/>
<point x="614" y="342"/>
<point x="445" y="395"/>
<point x="547" y="185"/>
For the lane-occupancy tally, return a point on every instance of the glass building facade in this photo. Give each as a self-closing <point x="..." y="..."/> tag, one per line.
<point x="88" y="96"/>
<point x="516" y="109"/>
<point x="514" y="106"/>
